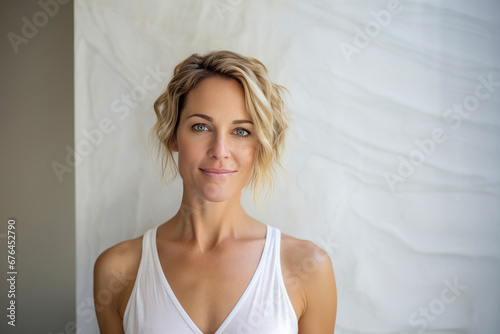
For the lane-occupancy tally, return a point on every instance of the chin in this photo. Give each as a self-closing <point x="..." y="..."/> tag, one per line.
<point x="214" y="192"/>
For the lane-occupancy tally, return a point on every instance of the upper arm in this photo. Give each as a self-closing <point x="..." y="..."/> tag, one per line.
<point x="320" y="296"/>
<point x="110" y="280"/>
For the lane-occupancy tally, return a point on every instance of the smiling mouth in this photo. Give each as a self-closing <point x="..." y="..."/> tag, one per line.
<point x="218" y="174"/>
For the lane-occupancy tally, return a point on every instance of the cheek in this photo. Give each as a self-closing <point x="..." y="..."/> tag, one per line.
<point x="190" y="151"/>
<point x="247" y="154"/>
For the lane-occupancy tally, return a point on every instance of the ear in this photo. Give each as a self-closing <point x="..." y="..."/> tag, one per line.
<point x="173" y="144"/>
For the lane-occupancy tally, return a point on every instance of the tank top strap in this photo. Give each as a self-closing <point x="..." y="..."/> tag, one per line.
<point x="150" y="239"/>
<point x="144" y="265"/>
<point x="151" y="253"/>
<point x="276" y="239"/>
<point x="274" y="252"/>
<point x="148" y="245"/>
<point x="270" y="255"/>
<point x="148" y="249"/>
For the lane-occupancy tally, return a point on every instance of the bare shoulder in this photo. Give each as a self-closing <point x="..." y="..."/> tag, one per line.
<point x="114" y="275"/>
<point x="119" y="262"/>
<point x="305" y="254"/>
<point x="308" y="272"/>
<point x="122" y="256"/>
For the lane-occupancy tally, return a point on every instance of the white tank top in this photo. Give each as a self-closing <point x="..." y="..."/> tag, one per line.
<point x="263" y="308"/>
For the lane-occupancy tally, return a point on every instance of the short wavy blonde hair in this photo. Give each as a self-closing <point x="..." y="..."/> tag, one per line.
<point x="264" y="103"/>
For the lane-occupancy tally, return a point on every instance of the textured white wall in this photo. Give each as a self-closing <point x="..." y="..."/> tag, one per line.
<point x="392" y="165"/>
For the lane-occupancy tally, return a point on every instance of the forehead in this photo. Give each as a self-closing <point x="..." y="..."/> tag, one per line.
<point x="217" y="97"/>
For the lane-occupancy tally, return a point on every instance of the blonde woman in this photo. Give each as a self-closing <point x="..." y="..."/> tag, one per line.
<point x="212" y="268"/>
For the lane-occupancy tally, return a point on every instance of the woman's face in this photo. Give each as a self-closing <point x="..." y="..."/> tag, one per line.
<point x="215" y="140"/>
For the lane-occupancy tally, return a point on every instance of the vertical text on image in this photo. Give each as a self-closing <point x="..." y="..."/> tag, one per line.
<point x="11" y="272"/>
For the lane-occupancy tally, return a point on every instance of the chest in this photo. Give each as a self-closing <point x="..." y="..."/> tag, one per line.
<point x="208" y="286"/>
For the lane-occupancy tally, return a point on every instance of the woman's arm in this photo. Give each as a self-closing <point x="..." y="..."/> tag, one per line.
<point x="108" y="286"/>
<point x="320" y="293"/>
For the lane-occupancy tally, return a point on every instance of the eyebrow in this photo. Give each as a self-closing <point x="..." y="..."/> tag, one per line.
<point x="210" y="119"/>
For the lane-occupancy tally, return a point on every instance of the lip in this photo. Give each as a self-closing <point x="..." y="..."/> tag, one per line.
<point x="219" y="174"/>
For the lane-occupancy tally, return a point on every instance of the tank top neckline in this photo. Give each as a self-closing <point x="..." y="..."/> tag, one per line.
<point x="234" y="310"/>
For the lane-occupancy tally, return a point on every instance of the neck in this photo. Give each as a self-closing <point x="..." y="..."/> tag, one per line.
<point x="207" y="224"/>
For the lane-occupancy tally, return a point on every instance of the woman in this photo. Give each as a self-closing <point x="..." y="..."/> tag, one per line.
<point x="212" y="268"/>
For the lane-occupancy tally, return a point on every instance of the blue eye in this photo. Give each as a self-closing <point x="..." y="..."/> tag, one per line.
<point x="241" y="132"/>
<point x="199" y="127"/>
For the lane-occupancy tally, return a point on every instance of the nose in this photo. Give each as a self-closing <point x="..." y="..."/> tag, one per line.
<point x="219" y="147"/>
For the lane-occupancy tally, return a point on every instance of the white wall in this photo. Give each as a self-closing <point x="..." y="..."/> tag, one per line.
<point x="359" y="105"/>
